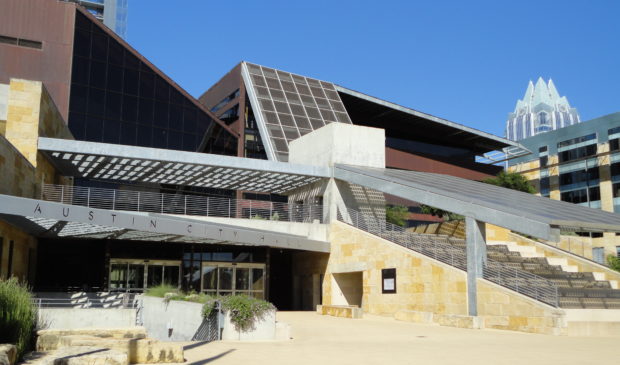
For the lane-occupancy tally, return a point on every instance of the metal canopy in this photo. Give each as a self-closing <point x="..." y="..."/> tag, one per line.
<point x="132" y="164"/>
<point x="518" y="211"/>
<point x="49" y="219"/>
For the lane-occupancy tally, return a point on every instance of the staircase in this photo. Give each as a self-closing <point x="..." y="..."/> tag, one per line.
<point x="451" y="251"/>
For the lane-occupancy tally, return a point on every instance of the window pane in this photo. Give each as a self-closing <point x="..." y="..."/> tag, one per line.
<point x="155" y="275"/>
<point x="225" y="278"/>
<point x="209" y="277"/>
<point x="118" y="276"/>
<point x="242" y="279"/>
<point x="135" y="277"/>
<point x="258" y="279"/>
<point x="171" y="275"/>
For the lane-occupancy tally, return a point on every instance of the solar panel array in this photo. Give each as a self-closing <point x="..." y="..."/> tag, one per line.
<point x="293" y="105"/>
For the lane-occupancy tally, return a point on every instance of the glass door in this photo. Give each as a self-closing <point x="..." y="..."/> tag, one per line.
<point x="219" y="278"/>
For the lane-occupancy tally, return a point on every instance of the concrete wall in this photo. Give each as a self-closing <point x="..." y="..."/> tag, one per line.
<point x="183" y="318"/>
<point x="70" y="318"/>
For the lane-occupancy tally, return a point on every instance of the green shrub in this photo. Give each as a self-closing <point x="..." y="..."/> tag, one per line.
<point x="18" y="315"/>
<point x="161" y="290"/>
<point x="245" y="310"/>
<point x="397" y="214"/>
<point x="613" y="262"/>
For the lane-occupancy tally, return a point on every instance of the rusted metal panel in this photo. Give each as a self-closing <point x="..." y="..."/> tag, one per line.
<point x="50" y="22"/>
<point x="408" y="161"/>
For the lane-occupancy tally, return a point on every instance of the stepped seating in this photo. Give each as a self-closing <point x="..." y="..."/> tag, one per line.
<point x="575" y="289"/>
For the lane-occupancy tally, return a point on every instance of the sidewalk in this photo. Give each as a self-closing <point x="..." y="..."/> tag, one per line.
<point x="327" y="340"/>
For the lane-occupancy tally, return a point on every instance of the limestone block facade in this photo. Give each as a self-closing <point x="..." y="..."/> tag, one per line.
<point x="30" y="113"/>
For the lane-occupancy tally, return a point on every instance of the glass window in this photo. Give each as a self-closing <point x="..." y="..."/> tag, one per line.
<point x="155" y="275"/>
<point x="225" y="278"/>
<point x="118" y="276"/>
<point x="598" y="254"/>
<point x="242" y="279"/>
<point x="171" y="275"/>
<point x="135" y="276"/>
<point x="258" y="279"/>
<point x="115" y="78"/>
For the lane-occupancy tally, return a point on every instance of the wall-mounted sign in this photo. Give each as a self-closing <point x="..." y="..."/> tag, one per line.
<point x="388" y="281"/>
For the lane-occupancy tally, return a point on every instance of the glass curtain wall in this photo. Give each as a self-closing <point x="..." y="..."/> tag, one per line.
<point x="118" y="98"/>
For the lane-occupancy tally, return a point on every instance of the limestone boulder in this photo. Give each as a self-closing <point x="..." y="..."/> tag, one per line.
<point x="49" y="339"/>
<point x="8" y="354"/>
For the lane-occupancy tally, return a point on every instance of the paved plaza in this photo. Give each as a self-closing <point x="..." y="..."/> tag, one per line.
<point x="378" y="340"/>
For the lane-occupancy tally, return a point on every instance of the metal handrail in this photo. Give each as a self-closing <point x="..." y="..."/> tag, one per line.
<point x="443" y="248"/>
<point x="181" y="204"/>
<point x="84" y="302"/>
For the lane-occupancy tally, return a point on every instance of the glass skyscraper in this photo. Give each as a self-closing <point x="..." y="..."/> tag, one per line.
<point x="113" y="13"/>
<point x="541" y="110"/>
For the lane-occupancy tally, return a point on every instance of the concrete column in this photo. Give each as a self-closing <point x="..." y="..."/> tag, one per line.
<point x="476" y="259"/>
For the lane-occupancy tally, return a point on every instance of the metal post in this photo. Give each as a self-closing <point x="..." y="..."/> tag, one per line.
<point x="185" y="204"/>
<point x="162" y="203"/>
<point x="250" y="209"/>
<point x="476" y="258"/>
<point x="229" y="208"/>
<point x="62" y="193"/>
<point x="88" y="198"/>
<point x="138" y="202"/>
<point x="207" y="206"/>
<point x="270" y="210"/>
<point x="113" y="199"/>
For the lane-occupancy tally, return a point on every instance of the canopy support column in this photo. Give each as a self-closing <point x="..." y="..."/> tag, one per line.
<point x="476" y="259"/>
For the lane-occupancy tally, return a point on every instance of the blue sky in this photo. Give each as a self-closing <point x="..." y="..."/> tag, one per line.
<point x="466" y="61"/>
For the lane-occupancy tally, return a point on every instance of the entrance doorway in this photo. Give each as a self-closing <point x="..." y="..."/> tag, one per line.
<point x="347" y="288"/>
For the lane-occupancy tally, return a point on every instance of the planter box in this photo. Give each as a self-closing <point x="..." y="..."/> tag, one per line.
<point x="264" y="329"/>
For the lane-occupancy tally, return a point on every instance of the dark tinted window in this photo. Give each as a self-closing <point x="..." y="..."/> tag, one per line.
<point x="577" y="153"/>
<point x="116" y="98"/>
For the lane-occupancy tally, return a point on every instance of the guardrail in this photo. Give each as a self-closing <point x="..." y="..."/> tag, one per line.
<point x="182" y="204"/>
<point x="125" y="301"/>
<point x="440" y="248"/>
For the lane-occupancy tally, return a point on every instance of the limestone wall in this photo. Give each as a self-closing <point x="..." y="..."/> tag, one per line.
<point x="504" y="309"/>
<point x="24" y="252"/>
<point x="422" y="284"/>
<point x="427" y="290"/>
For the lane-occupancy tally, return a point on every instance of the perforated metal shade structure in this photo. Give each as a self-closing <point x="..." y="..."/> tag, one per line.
<point x="518" y="211"/>
<point x="131" y="164"/>
<point x="288" y="106"/>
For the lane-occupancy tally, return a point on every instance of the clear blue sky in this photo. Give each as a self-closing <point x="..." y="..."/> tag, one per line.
<point x="466" y="61"/>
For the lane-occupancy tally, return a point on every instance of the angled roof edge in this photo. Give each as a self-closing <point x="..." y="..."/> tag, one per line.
<point x="159" y="72"/>
<point x="389" y="104"/>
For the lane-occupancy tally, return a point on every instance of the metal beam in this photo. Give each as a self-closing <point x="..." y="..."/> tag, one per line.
<point x="156" y="223"/>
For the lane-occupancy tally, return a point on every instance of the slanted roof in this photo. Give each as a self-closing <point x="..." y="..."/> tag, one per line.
<point x="402" y="122"/>
<point x="515" y="210"/>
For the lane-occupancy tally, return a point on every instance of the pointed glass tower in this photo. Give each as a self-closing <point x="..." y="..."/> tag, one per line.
<point x="542" y="109"/>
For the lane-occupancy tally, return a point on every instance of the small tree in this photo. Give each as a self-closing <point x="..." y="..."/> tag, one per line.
<point x="396" y="214"/>
<point x="613" y="262"/>
<point x="511" y="180"/>
<point x="444" y="214"/>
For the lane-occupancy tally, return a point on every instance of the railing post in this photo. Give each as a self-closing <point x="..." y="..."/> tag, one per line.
<point x="185" y="204"/>
<point x="88" y="198"/>
<point x="229" y="208"/>
<point x="517" y="280"/>
<point x="207" y="206"/>
<point x="62" y="196"/>
<point x="250" y="209"/>
<point x="138" y="201"/>
<point x="270" y="210"/>
<point x="162" y="203"/>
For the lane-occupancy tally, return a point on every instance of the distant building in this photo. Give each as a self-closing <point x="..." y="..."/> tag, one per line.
<point x="578" y="164"/>
<point x="541" y="110"/>
<point x="112" y="13"/>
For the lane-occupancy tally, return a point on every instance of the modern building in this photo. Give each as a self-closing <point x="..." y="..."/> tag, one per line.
<point x="541" y="110"/>
<point x="113" y="13"/>
<point x="271" y="184"/>
<point x="579" y="164"/>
